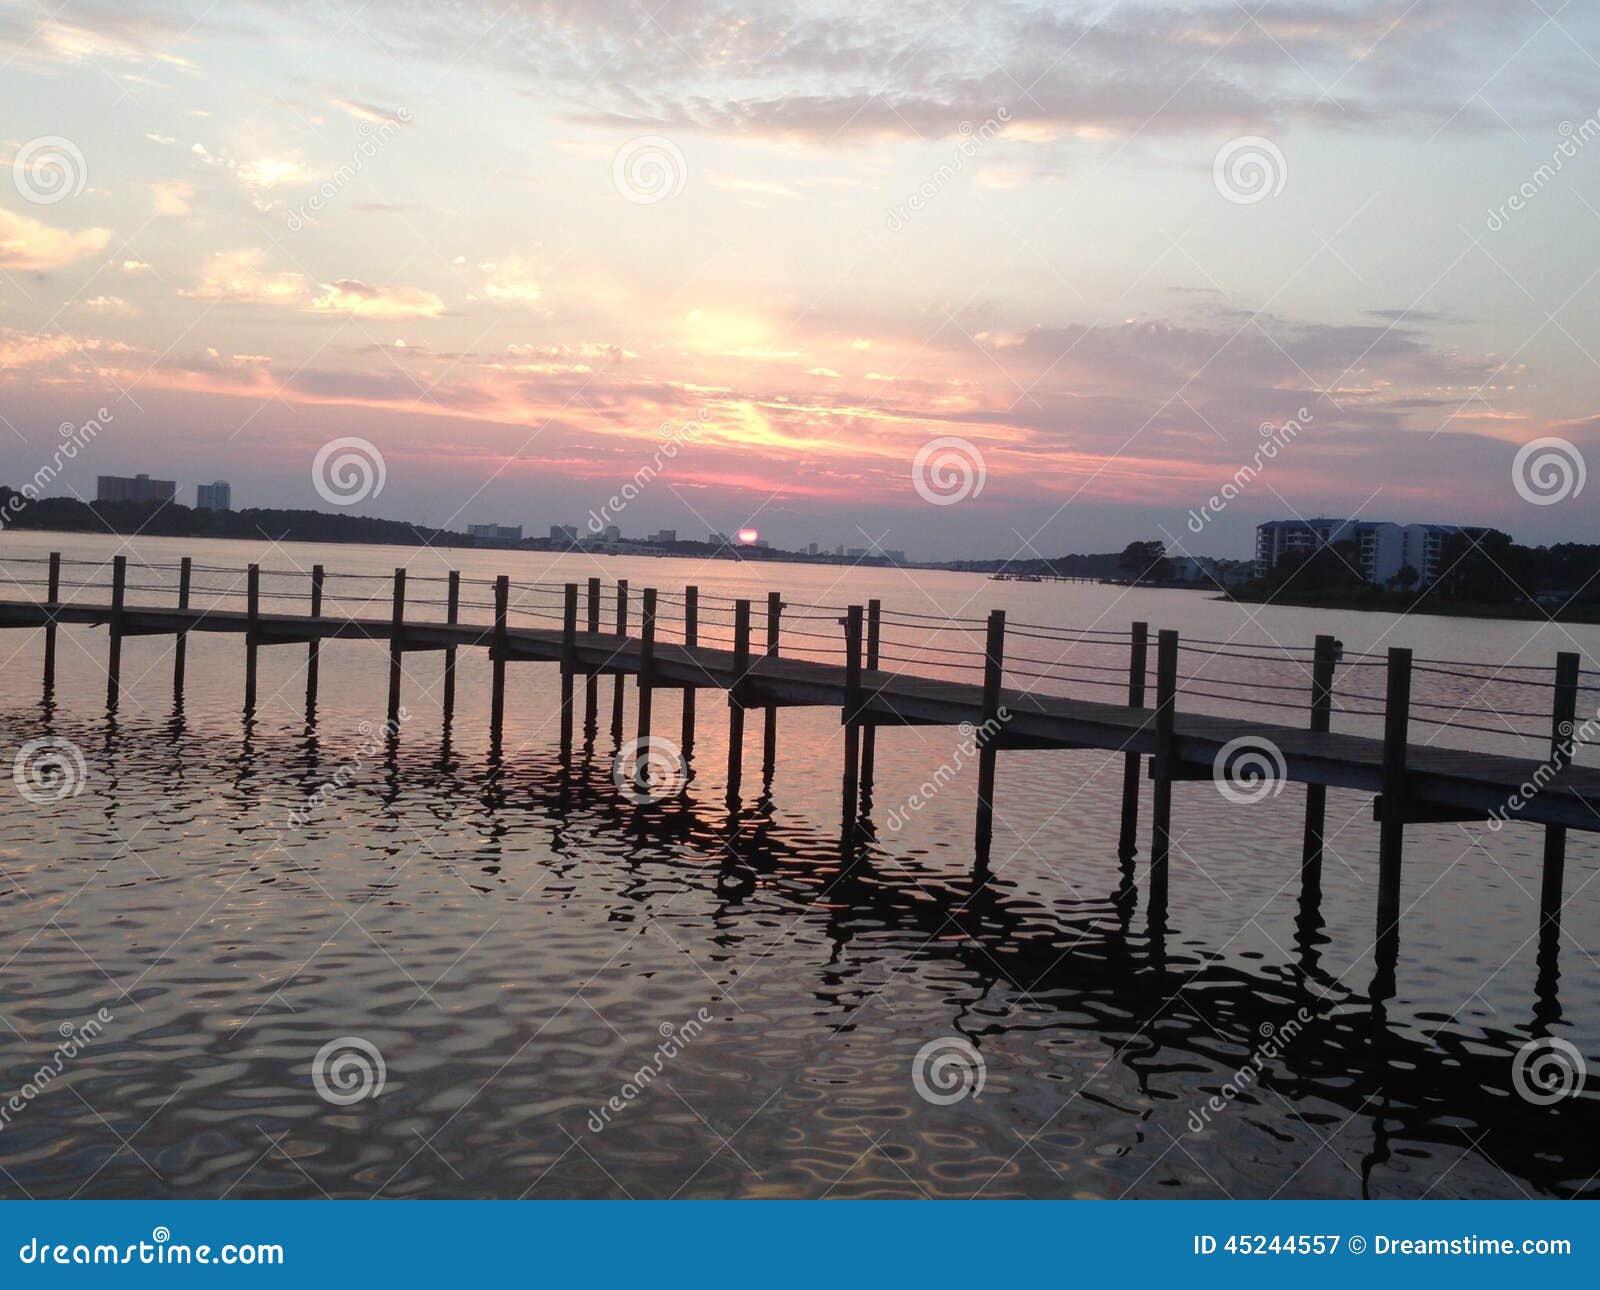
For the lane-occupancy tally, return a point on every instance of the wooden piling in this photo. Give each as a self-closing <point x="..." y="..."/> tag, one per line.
<point x="314" y="645"/>
<point x="497" y="691"/>
<point x="769" y="733"/>
<point x="994" y="654"/>
<point x="691" y="638"/>
<point x="591" y="684"/>
<point x="1392" y="812"/>
<point x="569" y="662"/>
<point x="1322" y="663"/>
<point x="252" y="634"/>
<point x="1563" y="745"/>
<point x="622" y="630"/>
<point x="180" y="648"/>
<point x="1138" y="664"/>
<point x="869" y="730"/>
<point x="397" y="645"/>
<point x="851" y="718"/>
<point x="452" y="615"/>
<point x="119" y="587"/>
<point x="647" y="674"/>
<point x="1163" y="766"/>
<point x="741" y="665"/>
<point x="52" y="600"/>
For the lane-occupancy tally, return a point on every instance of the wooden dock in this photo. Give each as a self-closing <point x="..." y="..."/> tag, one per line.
<point x="663" y="649"/>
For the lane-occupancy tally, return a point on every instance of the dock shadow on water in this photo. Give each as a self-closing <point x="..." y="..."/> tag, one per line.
<point x="377" y="958"/>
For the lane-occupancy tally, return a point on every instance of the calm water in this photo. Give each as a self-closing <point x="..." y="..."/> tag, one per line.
<point x="517" y="944"/>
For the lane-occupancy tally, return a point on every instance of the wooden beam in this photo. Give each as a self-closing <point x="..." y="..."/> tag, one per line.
<point x="1138" y="665"/>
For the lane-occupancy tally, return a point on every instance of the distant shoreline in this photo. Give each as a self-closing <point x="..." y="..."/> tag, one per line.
<point x="1388" y="603"/>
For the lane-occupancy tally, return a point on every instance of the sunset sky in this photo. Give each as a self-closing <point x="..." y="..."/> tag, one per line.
<point x="247" y="229"/>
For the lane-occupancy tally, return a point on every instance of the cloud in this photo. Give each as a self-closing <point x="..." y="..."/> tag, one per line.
<point x="109" y="306"/>
<point x="238" y="276"/>
<point x="171" y="196"/>
<point x="362" y="300"/>
<point x="512" y="281"/>
<point x="26" y="245"/>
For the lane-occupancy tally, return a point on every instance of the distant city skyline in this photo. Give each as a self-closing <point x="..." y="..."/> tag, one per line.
<point x="1098" y="251"/>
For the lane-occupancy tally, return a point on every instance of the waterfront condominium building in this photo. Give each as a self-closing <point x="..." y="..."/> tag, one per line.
<point x="1382" y="548"/>
<point x="213" y="497"/>
<point x="140" y="488"/>
<point x="503" y="534"/>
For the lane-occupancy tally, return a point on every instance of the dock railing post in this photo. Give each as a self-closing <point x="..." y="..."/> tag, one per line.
<point x="994" y="664"/>
<point x="591" y="697"/>
<point x="497" y="691"/>
<point x="397" y="645"/>
<point x="569" y="662"/>
<point x="1138" y="663"/>
<point x="252" y="627"/>
<point x="769" y="733"/>
<point x="452" y="615"/>
<point x="741" y="665"/>
<point x="691" y="638"/>
<point x="851" y="719"/>
<point x="622" y="630"/>
<point x="1322" y="663"/>
<point x="1391" y="827"/>
<point x="314" y="645"/>
<point x="869" y="730"/>
<point x="52" y="598"/>
<point x="647" y="676"/>
<point x="1563" y="747"/>
<point x="180" y="648"/>
<point x="1162" y="766"/>
<point x="119" y="585"/>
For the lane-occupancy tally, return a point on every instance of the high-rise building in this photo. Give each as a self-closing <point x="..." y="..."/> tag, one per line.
<point x="665" y="536"/>
<point x="213" y="497"/>
<point x="1382" y="548"/>
<point x="141" y="488"/>
<point x="502" y="534"/>
<point x="563" y="532"/>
